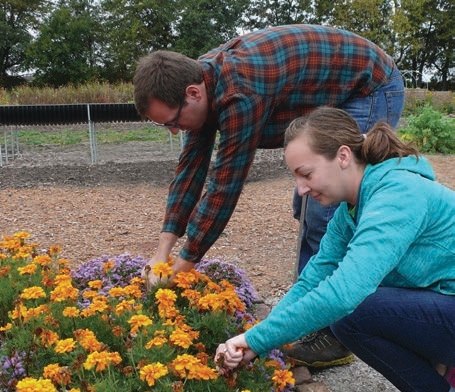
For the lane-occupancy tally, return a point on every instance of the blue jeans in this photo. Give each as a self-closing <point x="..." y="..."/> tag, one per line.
<point x="403" y="333"/>
<point x="385" y="104"/>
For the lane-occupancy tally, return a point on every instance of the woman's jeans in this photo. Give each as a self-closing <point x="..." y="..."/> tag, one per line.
<point x="403" y="333"/>
<point x="385" y="104"/>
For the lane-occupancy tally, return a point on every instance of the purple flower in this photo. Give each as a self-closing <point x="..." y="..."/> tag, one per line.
<point x="218" y="270"/>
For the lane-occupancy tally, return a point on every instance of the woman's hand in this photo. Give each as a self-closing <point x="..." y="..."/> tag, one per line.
<point x="232" y="353"/>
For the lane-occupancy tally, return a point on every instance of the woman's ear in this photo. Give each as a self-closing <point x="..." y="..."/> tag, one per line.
<point x="344" y="156"/>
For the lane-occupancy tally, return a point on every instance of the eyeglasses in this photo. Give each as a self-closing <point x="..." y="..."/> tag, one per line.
<point x="175" y="121"/>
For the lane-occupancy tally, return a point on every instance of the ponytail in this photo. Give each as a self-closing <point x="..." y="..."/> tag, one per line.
<point x="382" y="143"/>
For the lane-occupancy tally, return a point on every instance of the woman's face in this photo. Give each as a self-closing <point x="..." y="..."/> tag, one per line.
<point x="324" y="180"/>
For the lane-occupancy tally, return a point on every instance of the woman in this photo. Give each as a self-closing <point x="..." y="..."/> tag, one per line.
<point x="384" y="277"/>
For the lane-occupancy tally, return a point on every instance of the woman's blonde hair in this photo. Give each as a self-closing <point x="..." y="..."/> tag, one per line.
<point x="327" y="128"/>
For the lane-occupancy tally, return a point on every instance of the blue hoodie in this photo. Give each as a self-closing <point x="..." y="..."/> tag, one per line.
<point x="401" y="235"/>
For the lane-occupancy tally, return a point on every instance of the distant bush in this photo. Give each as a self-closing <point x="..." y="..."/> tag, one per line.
<point x="88" y="93"/>
<point x="430" y="131"/>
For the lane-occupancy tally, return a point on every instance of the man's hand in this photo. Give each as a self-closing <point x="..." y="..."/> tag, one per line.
<point x="151" y="279"/>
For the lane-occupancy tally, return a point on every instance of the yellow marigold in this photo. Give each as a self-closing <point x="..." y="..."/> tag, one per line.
<point x="36" y="312"/>
<point x="7" y="327"/>
<point x="212" y="302"/>
<point x="137" y="281"/>
<point x="42" y="260"/>
<point x="87" y="340"/>
<point x="63" y="292"/>
<point x="48" y="337"/>
<point x="50" y="370"/>
<point x="22" y="235"/>
<point x="4" y="270"/>
<point x="124" y="306"/>
<point x="133" y="291"/>
<point x="165" y="297"/>
<point x="167" y="312"/>
<point x="63" y="278"/>
<point x="87" y="294"/>
<point x="186" y="280"/>
<point x="162" y="270"/>
<point x="21" y="255"/>
<point x="60" y="375"/>
<point x="95" y="284"/>
<point x="63" y="263"/>
<point x="108" y="265"/>
<point x="157" y="341"/>
<point x="54" y="249"/>
<point x="87" y="312"/>
<point x="65" y="346"/>
<point x="33" y="292"/>
<point x="150" y="373"/>
<point x="118" y="330"/>
<point x="282" y="378"/>
<point x="71" y="311"/>
<point x="29" y="269"/>
<point x="102" y="360"/>
<point x="202" y="372"/>
<point x="99" y="304"/>
<point x="117" y="292"/>
<point x="183" y="339"/>
<point x="138" y="321"/>
<point x="29" y="384"/>
<point x="183" y="363"/>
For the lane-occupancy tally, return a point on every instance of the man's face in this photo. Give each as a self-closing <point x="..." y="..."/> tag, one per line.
<point x="189" y="116"/>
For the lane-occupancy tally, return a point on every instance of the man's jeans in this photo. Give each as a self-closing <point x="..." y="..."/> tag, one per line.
<point x="403" y="333"/>
<point x="386" y="104"/>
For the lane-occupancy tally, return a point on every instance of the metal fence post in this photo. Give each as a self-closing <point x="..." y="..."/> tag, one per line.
<point x="92" y="136"/>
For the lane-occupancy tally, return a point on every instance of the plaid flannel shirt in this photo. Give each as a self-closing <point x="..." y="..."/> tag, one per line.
<point x="257" y="84"/>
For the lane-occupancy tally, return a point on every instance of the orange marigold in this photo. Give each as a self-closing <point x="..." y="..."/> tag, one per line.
<point x="150" y="373"/>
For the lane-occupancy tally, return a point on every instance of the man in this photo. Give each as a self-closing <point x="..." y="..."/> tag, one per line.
<point x="249" y="90"/>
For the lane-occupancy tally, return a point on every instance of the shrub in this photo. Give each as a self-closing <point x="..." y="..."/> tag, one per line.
<point x="430" y="131"/>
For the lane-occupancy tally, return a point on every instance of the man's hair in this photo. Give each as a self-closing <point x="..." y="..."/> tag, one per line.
<point x="164" y="75"/>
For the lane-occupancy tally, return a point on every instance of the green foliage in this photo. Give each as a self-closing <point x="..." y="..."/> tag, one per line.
<point x="65" y="48"/>
<point x="205" y="24"/>
<point x="70" y="42"/>
<point x="430" y="131"/>
<point x="133" y="28"/>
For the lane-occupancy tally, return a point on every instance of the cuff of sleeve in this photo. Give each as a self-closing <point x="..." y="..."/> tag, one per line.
<point x="187" y="255"/>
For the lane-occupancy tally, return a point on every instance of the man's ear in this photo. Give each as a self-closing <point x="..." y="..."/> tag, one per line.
<point x="194" y="91"/>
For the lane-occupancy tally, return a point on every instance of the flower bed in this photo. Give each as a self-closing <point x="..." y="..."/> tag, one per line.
<point x="97" y="329"/>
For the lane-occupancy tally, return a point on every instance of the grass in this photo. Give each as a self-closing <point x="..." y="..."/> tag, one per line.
<point x="68" y="136"/>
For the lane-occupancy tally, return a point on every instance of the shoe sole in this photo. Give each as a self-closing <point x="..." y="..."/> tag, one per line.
<point x="321" y="365"/>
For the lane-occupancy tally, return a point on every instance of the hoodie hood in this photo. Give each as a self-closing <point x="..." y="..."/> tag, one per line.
<point x="374" y="174"/>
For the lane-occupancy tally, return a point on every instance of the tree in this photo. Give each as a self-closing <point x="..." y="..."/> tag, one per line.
<point x="425" y="32"/>
<point x="261" y="14"/>
<point x="133" y="28"/>
<point x="65" y="50"/>
<point x="369" y="18"/>
<point x="205" y="24"/>
<point x="18" y="19"/>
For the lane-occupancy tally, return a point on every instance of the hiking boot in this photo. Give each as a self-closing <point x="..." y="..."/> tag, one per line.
<point x="319" y="350"/>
